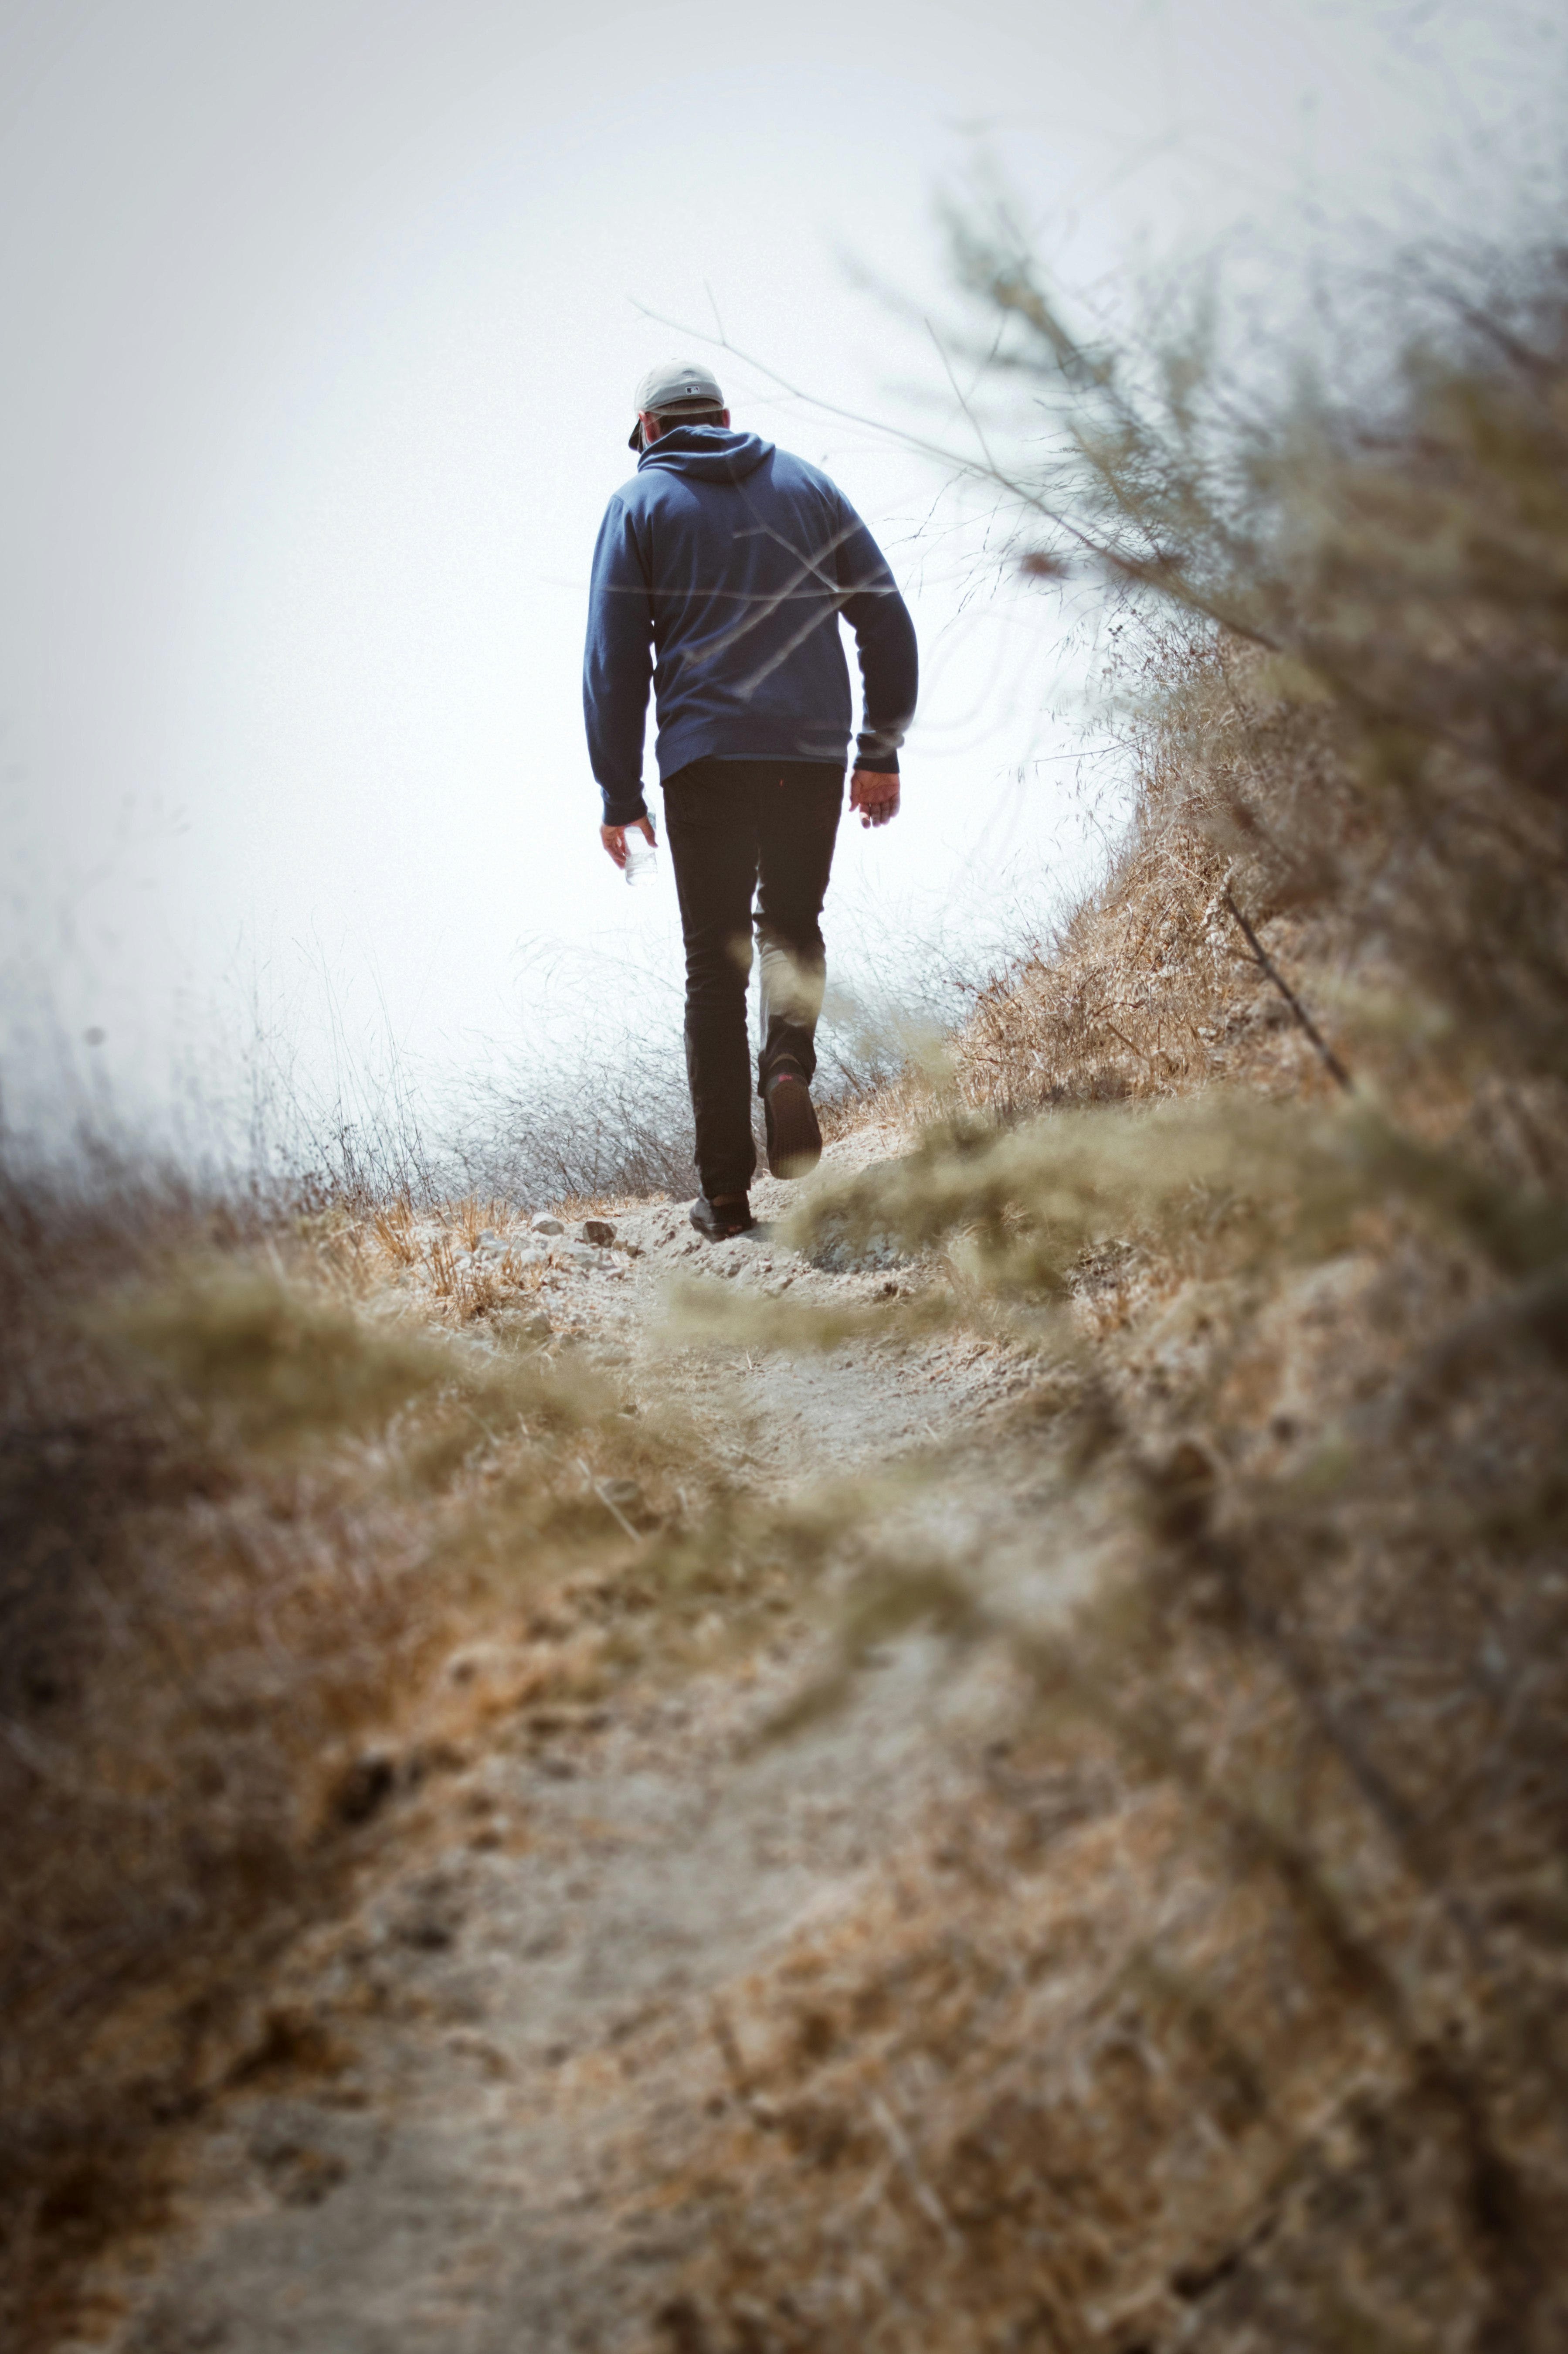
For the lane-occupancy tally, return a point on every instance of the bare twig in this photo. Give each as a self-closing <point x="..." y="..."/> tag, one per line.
<point x="609" y="1505"/>
<point x="1261" y="957"/>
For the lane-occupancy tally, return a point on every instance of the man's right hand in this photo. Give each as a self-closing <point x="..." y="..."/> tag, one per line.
<point x="614" y="837"/>
<point x="874" y="792"/>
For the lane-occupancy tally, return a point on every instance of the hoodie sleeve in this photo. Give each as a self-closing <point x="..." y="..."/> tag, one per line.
<point x="884" y="641"/>
<point x="617" y="666"/>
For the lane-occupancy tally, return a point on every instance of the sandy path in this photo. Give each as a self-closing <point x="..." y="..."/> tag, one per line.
<point x="531" y="1985"/>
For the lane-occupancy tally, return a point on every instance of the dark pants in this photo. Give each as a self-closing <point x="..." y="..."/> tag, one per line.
<point x="734" y="826"/>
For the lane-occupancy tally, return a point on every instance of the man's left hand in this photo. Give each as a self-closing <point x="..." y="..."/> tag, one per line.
<point x="614" y="837"/>
<point x="874" y="794"/>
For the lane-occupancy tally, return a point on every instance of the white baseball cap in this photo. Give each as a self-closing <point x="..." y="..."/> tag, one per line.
<point x="673" y="386"/>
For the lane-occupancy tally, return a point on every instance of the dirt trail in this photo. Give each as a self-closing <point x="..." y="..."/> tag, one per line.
<point x="785" y="1418"/>
<point x="435" y="2144"/>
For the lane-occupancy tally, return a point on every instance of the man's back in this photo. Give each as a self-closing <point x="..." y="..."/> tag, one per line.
<point x="727" y="561"/>
<point x="721" y="571"/>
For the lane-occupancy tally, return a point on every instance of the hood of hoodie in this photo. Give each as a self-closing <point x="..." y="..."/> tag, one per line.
<point x="706" y="454"/>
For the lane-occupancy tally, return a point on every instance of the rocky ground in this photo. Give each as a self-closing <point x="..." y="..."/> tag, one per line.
<point x="438" y="2130"/>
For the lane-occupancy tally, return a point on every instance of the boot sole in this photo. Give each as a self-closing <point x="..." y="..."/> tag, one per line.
<point x="794" y="1139"/>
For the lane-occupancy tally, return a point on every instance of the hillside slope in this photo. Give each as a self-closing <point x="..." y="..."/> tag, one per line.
<point x="1041" y="1981"/>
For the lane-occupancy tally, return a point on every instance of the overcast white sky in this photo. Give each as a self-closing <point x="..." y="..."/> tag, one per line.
<point x="322" y="318"/>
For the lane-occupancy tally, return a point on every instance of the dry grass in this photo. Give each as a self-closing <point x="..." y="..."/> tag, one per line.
<point x="250" y="1499"/>
<point x="1152" y="991"/>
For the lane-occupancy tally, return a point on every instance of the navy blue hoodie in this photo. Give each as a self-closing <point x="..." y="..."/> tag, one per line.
<point x="720" y="571"/>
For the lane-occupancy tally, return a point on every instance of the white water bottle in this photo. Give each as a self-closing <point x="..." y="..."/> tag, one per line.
<point x="642" y="857"/>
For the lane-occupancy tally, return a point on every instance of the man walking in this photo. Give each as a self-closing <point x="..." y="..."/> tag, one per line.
<point x="721" y="572"/>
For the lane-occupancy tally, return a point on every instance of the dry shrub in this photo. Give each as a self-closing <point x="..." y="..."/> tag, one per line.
<point x="1150" y="988"/>
<point x="1347" y="713"/>
<point x="392" y="1227"/>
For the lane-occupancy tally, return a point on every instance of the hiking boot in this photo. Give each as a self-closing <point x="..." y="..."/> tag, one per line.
<point x="794" y="1139"/>
<point x="718" y="1221"/>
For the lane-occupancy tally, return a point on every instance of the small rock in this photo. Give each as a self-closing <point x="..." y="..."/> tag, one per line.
<point x="836" y="1254"/>
<point x="363" y="1787"/>
<point x="306" y="2176"/>
<point x="598" y="1231"/>
<point x="303" y="2151"/>
<point x="521" y="1323"/>
<point x="426" y="1932"/>
<point x="545" y="1224"/>
<point x="429" y="1915"/>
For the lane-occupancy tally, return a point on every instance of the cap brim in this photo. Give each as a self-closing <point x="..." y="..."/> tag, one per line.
<point x="634" y="439"/>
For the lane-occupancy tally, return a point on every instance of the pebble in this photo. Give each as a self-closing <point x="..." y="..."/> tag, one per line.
<point x="524" y="1324"/>
<point x="839" y="1255"/>
<point x="545" y="1224"/>
<point x="598" y="1231"/>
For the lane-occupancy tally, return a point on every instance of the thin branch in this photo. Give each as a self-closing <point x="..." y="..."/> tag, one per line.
<point x="1331" y="1060"/>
